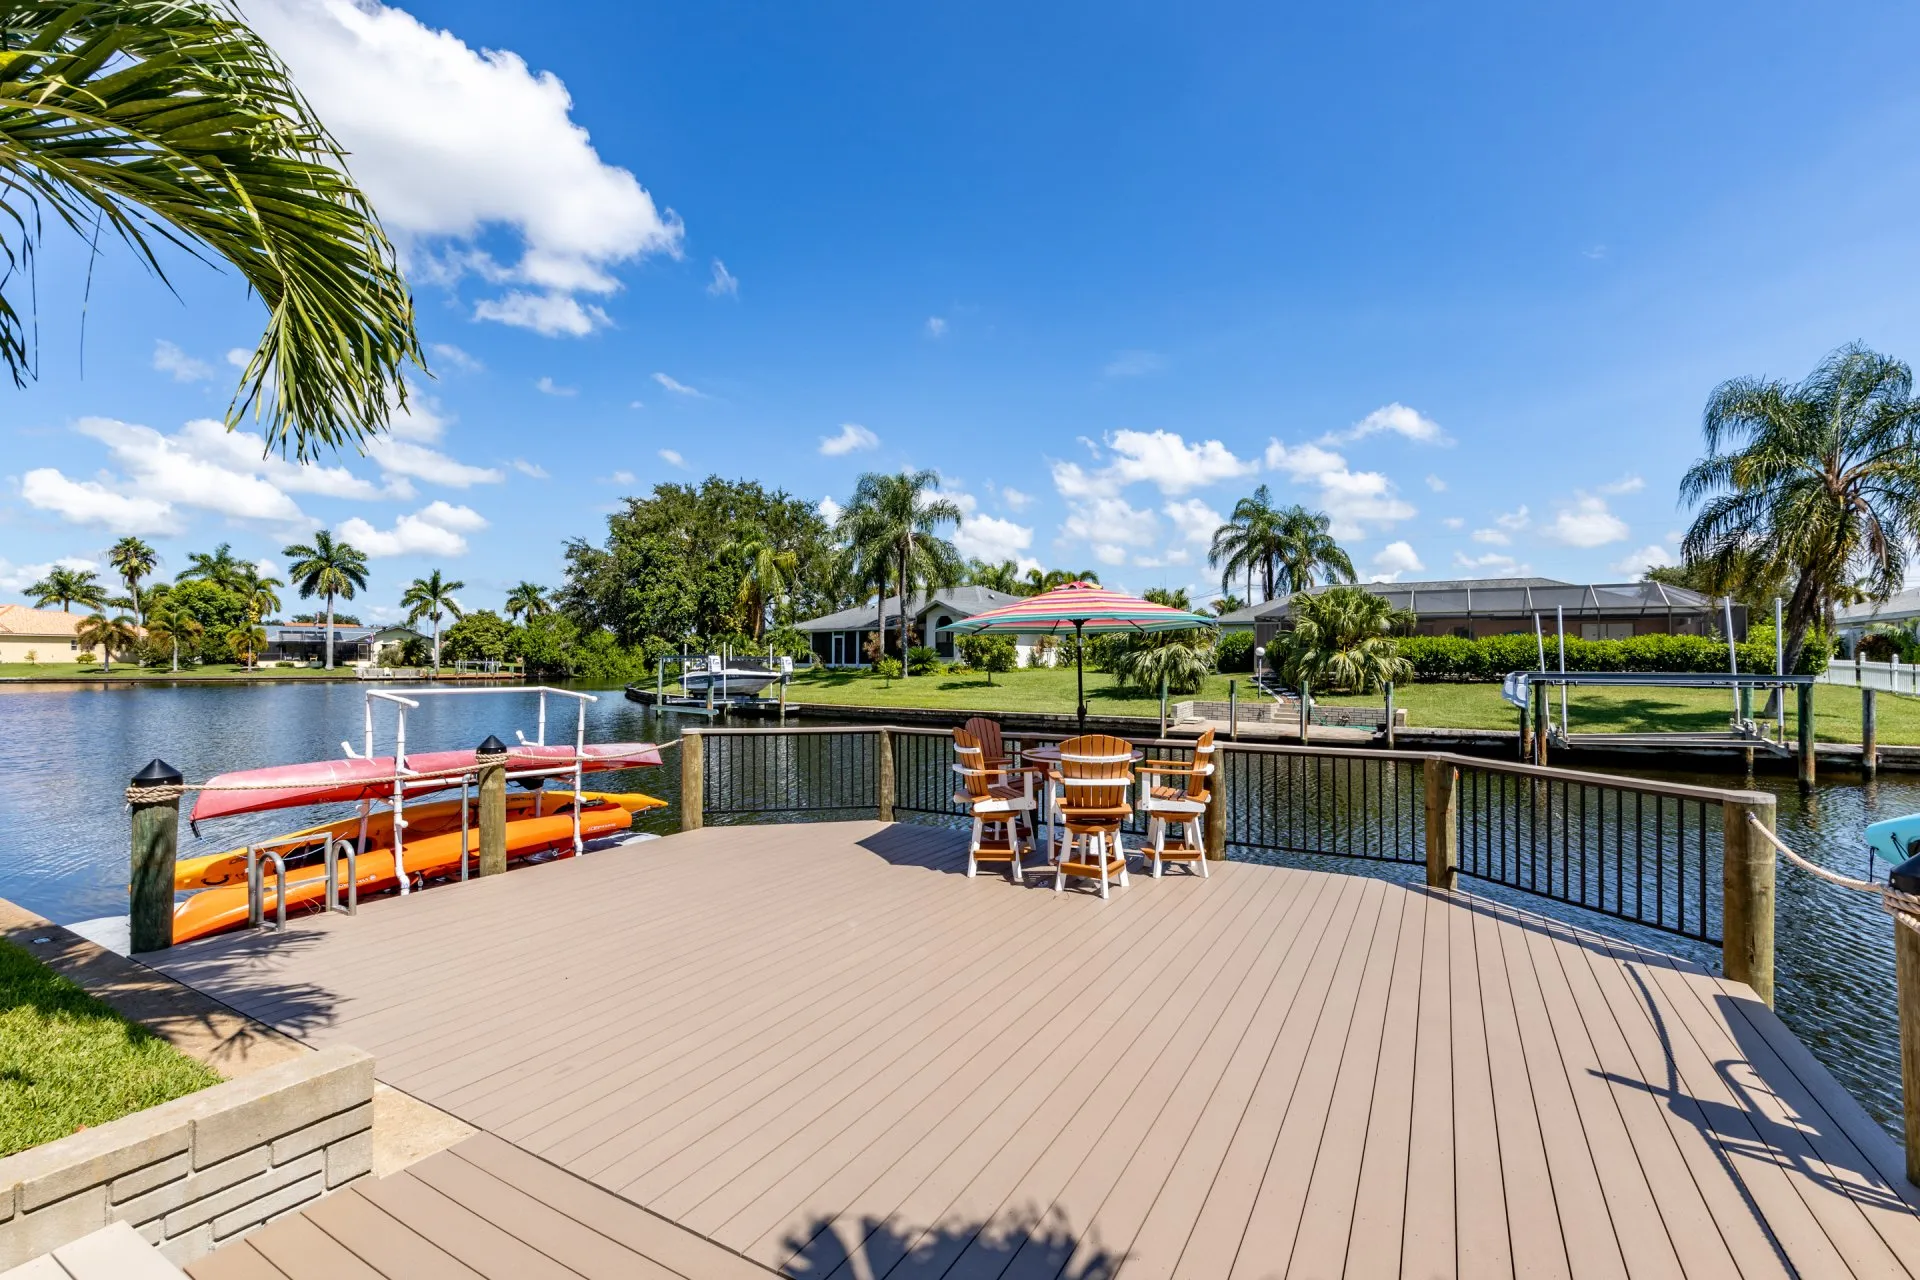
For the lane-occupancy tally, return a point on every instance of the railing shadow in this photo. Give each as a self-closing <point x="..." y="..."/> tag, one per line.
<point x="1044" y="1243"/>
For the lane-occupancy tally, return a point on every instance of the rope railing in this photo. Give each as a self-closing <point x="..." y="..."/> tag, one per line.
<point x="1903" y="907"/>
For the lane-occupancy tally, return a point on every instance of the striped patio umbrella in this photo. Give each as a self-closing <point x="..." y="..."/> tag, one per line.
<point x="1086" y="607"/>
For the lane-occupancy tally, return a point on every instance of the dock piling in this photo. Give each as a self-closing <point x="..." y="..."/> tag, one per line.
<point x="154" y="796"/>
<point x="1542" y="718"/>
<point x="1869" y="732"/>
<point x="1746" y="886"/>
<point x="491" y="762"/>
<point x="1390" y="715"/>
<point x="1215" y="834"/>
<point x="693" y="758"/>
<point x="1443" y="815"/>
<point x="1804" y="731"/>
<point x="883" y="774"/>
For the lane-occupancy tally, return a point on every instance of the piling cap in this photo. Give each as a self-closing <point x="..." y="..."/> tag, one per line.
<point x="1905" y="878"/>
<point x="492" y="746"/>
<point x="158" y="773"/>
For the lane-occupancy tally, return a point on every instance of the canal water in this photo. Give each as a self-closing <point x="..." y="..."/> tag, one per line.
<point x="63" y="835"/>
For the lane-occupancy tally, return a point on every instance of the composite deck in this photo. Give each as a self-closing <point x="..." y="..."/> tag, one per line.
<point x="823" y="1048"/>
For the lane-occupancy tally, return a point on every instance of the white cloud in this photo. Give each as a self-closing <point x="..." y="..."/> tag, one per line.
<point x="532" y="469"/>
<point x="1193" y="519"/>
<point x="1635" y="563"/>
<point x="1492" y="537"/>
<point x="454" y="358"/>
<point x="169" y="359"/>
<point x="829" y="510"/>
<point x="851" y="438"/>
<point x="992" y="539"/>
<point x="1396" y="418"/>
<point x="239" y="357"/>
<point x="89" y="502"/>
<point x="1514" y="520"/>
<point x="679" y="388"/>
<point x="403" y="458"/>
<point x="1134" y="364"/>
<point x="673" y="459"/>
<point x="204" y="467"/>
<point x="437" y="529"/>
<point x="724" y="284"/>
<point x="1625" y="484"/>
<point x="1354" y="499"/>
<point x="1395" y="559"/>
<point x="1165" y="459"/>
<point x="636" y="404"/>
<point x="1436" y="484"/>
<point x="1454" y="522"/>
<point x="1015" y="499"/>
<point x="1586" y="522"/>
<point x="1490" y="565"/>
<point x="547" y="386"/>
<point x="621" y="477"/>
<point x="936" y="327"/>
<point x="452" y="144"/>
<point x="18" y="577"/>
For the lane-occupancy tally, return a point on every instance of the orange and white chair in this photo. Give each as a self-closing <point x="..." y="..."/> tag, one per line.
<point x="1175" y="793"/>
<point x="997" y="805"/>
<point x="1089" y="794"/>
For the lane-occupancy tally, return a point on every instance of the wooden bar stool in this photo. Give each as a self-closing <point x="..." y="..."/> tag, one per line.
<point x="997" y="806"/>
<point x="1180" y="800"/>
<point x="1090" y="795"/>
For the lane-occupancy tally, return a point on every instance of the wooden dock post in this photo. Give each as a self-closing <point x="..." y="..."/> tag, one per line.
<point x="154" y="795"/>
<point x="883" y="773"/>
<point x="693" y="760"/>
<point x="1443" y="825"/>
<point x="1906" y="949"/>
<point x="1542" y="717"/>
<point x="1746" y="887"/>
<point x="1216" y="819"/>
<point x="1233" y="710"/>
<point x="1869" y="732"/>
<point x="1389" y="715"/>
<point x="1163" y="706"/>
<point x="490" y="761"/>
<point x="1804" y="731"/>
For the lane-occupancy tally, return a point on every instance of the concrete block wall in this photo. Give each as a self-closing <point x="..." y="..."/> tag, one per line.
<point x="198" y="1171"/>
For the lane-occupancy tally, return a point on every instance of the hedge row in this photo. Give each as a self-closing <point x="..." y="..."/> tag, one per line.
<point x="1452" y="658"/>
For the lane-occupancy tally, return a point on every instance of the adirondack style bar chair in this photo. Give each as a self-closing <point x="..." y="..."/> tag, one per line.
<point x="996" y="804"/>
<point x="1176" y="793"/>
<point x="1090" y="795"/>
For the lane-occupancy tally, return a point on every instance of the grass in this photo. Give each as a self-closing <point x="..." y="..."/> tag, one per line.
<point x="134" y="671"/>
<point x="1041" y="689"/>
<point x="68" y="1062"/>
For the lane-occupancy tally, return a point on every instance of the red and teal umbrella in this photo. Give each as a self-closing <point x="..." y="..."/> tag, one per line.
<point x="1085" y="607"/>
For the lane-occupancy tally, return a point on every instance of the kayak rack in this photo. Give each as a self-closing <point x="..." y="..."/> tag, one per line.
<point x="270" y="851"/>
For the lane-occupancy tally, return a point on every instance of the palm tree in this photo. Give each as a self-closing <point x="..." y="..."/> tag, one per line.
<point x="220" y="567"/>
<point x="1038" y="580"/>
<point x="246" y="641"/>
<point x="97" y="631"/>
<point x="1248" y="540"/>
<point x="135" y="559"/>
<point x="1305" y="547"/>
<point x="327" y="568"/>
<point x="767" y="573"/>
<point x="529" y="600"/>
<point x="260" y="592"/>
<point x="1003" y="577"/>
<point x="431" y="597"/>
<point x="1343" y="638"/>
<point x="69" y="587"/>
<point x="1172" y="597"/>
<point x="169" y="624"/>
<point x="891" y="530"/>
<point x="1817" y="482"/>
<point x="1227" y="604"/>
<point x="171" y="123"/>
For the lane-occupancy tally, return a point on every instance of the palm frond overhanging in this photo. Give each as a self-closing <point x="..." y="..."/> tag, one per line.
<point x="170" y="123"/>
<point x="1343" y="639"/>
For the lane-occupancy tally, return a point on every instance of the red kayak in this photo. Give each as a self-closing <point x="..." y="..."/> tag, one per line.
<point x="326" y="781"/>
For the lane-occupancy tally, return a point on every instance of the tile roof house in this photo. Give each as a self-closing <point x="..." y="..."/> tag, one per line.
<point x="841" y="639"/>
<point x="45" y="634"/>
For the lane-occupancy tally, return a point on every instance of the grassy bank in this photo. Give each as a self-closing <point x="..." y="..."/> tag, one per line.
<point x="68" y="1062"/>
<point x="1042" y="690"/>
<point x="134" y="671"/>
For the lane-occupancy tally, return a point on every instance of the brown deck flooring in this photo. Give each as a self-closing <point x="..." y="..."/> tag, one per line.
<point x="821" y="1047"/>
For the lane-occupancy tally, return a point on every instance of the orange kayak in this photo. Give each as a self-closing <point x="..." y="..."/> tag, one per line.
<point x="213" y="910"/>
<point x="210" y="871"/>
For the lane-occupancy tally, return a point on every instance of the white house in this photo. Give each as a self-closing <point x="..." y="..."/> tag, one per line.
<point x="840" y="639"/>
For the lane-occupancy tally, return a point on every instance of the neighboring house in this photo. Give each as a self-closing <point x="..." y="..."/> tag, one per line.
<point x="1900" y="611"/>
<point x="47" y="634"/>
<point x="352" y="646"/>
<point x="840" y="639"/>
<point x="1476" y="607"/>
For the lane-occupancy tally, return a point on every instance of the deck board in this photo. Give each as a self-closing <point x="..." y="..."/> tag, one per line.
<point x="823" y="1050"/>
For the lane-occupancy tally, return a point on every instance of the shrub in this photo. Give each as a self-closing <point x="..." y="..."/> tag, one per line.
<point x="789" y="642"/>
<point x="1043" y="651"/>
<point x="887" y="669"/>
<point x="1181" y="664"/>
<point x="1444" y="658"/>
<point x="1105" y="652"/>
<point x="922" y="661"/>
<point x="991" y="654"/>
<point x="1234" y="652"/>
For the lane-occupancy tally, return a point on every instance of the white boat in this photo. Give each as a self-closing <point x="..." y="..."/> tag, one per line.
<point x="732" y="678"/>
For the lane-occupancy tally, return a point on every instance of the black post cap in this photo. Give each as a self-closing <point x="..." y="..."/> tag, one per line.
<point x="158" y="773"/>
<point x="1906" y="877"/>
<point x="493" y="746"/>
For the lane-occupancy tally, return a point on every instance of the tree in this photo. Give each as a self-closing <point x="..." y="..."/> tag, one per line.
<point x="431" y="597"/>
<point x="134" y="559"/>
<point x="528" y="601"/>
<point x="990" y="654"/>
<point x="891" y="529"/>
<point x="1815" y="483"/>
<point x="1290" y="546"/>
<point x="1003" y="577"/>
<point x="1172" y="597"/>
<point x="216" y="609"/>
<point x="327" y="568"/>
<point x="1343" y="639"/>
<point x="246" y="641"/>
<point x="69" y="587"/>
<point x="260" y="592"/>
<point x="1183" y="659"/>
<point x="169" y="623"/>
<point x="766" y="570"/>
<point x="1226" y="604"/>
<point x="1306" y="546"/>
<point x="482" y="634"/>
<point x="219" y="566"/>
<point x="1046" y="580"/>
<point x="109" y="635"/>
<point x="171" y="123"/>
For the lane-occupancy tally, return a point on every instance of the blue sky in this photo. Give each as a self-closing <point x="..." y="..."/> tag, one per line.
<point x="1462" y="279"/>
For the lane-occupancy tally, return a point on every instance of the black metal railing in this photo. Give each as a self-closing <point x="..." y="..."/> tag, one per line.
<point x="795" y="772"/>
<point x="1635" y="851"/>
<point x="1349" y="804"/>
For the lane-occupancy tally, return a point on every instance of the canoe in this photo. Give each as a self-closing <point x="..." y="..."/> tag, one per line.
<point x="212" y="910"/>
<point x="428" y="818"/>
<point x="283" y="786"/>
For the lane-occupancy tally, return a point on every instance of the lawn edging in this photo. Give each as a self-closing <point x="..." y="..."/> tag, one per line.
<point x="200" y="1170"/>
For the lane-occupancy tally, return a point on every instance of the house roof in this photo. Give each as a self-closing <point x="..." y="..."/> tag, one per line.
<point x="316" y="633"/>
<point x="20" y="620"/>
<point x="1496" y="597"/>
<point x="964" y="602"/>
<point x="1902" y="606"/>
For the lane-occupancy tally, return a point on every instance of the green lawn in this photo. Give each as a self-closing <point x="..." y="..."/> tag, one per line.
<point x="68" y="1062"/>
<point x="1040" y="690"/>
<point x="134" y="671"/>
<point x="1836" y="710"/>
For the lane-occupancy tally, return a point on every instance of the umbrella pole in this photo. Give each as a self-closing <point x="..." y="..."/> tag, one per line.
<point x="1080" y="672"/>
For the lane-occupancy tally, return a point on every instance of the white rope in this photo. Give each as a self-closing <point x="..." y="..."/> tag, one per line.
<point x="1903" y="907"/>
